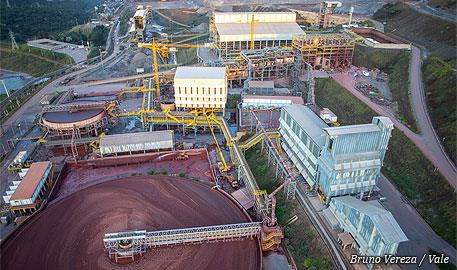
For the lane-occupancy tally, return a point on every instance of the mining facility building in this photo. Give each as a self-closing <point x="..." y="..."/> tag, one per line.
<point x="237" y="31"/>
<point x="165" y="183"/>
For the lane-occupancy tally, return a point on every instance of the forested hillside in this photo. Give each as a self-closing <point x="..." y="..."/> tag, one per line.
<point x="40" y="18"/>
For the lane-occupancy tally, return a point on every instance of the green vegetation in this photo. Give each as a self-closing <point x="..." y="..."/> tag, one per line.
<point x="232" y="101"/>
<point x="96" y="36"/>
<point x="444" y="4"/>
<point x="405" y="165"/>
<point x="3" y="96"/>
<point x="303" y="242"/>
<point x="366" y="23"/>
<point x="124" y="21"/>
<point x="440" y="88"/>
<point x="94" y="52"/>
<point x="437" y="35"/>
<point x="43" y="19"/>
<point x="186" y="56"/>
<point x="33" y="61"/>
<point x="151" y="172"/>
<point x="11" y="107"/>
<point x="396" y="64"/>
<point x="182" y="174"/>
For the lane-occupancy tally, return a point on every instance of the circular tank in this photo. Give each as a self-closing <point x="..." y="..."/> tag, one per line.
<point x="68" y="233"/>
<point x="67" y="120"/>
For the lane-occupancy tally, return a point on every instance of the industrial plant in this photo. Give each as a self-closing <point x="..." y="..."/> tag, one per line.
<point x="150" y="171"/>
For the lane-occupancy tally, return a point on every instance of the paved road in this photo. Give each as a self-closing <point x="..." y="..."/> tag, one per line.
<point x="439" y="157"/>
<point x="421" y="236"/>
<point x="347" y="81"/>
<point x="423" y="7"/>
<point x="34" y="101"/>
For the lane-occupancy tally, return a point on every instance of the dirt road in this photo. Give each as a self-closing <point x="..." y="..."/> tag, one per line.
<point x="428" y="134"/>
<point x="68" y="234"/>
<point x="429" y="146"/>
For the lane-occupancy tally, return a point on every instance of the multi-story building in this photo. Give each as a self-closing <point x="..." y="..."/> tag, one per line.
<point x="334" y="160"/>
<point x="374" y="229"/>
<point x="29" y="194"/>
<point x="200" y="87"/>
<point x="270" y="29"/>
<point x="352" y="157"/>
<point x="303" y="138"/>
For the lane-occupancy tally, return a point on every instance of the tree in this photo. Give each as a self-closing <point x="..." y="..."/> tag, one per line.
<point x="99" y="35"/>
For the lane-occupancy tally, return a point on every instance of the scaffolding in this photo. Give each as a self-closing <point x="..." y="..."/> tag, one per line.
<point x="229" y="50"/>
<point x="325" y="51"/>
<point x="260" y="64"/>
<point x="326" y="11"/>
<point x="268" y="63"/>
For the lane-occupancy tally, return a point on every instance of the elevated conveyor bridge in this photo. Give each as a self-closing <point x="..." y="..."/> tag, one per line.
<point x="133" y="243"/>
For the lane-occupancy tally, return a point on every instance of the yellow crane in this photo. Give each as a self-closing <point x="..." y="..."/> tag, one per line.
<point x="164" y="49"/>
<point x="252" y="32"/>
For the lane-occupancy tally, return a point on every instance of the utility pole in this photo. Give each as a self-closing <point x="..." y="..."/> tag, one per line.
<point x="13" y="41"/>
<point x="8" y="3"/>
<point x="351" y="10"/>
<point x="6" y="89"/>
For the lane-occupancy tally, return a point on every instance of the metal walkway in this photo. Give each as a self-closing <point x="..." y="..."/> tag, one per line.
<point x="196" y="235"/>
<point x="272" y="134"/>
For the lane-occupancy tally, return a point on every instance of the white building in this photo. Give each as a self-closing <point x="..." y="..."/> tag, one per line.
<point x="136" y="143"/>
<point x="236" y="26"/>
<point x="374" y="229"/>
<point x="26" y="196"/>
<point x="271" y="29"/>
<point x="200" y="87"/>
<point x="334" y="161"/>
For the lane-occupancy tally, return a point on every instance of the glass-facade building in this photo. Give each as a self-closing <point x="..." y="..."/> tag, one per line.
<point x="334" y="160"/>
<point x="373" y="228"/>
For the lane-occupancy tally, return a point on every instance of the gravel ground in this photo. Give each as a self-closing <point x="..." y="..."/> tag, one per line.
<point x="68" y="234"/>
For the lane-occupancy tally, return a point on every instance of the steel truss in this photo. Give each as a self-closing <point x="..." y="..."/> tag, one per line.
<point x="132" y="243"/>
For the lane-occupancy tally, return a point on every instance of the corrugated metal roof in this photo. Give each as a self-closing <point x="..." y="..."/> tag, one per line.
<point x="134" y="138"/>
<point x="246" y="17"/>
<point x="200" y="73"/>
<point x="140" y="13"/>
<point x="262" y="31"/>
<point x="343" y="130"/>
<point x="261" y="84"/>
<point x="293" y="99"/>
<point x="31" y="180"/>
<point x="382" y="219"/>
<point x="312" y="124"/>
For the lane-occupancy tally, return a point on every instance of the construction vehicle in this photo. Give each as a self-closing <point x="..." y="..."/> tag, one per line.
<point x="96" y="143"/>
<point x="231" y="180"/>
<point x="182" y="156"/>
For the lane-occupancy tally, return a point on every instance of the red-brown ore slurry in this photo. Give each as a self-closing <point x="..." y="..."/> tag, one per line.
<point x="69" y="233"/>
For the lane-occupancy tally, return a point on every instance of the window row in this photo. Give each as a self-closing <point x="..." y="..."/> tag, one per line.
<point x="200" y="90"/>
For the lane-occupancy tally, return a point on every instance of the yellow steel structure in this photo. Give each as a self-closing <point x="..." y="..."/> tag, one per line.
<point x="164" y="49"/>
<point x="272" y="134"/>
<point x="252" y="32"/>
<point x="223" y="167"/>
<point x="208" y="118"/>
